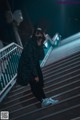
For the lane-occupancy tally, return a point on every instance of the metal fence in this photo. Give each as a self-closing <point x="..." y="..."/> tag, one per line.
<point x="9" y="57"/>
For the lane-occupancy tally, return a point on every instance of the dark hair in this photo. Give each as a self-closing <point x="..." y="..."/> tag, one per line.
<point x="38" y="30"/>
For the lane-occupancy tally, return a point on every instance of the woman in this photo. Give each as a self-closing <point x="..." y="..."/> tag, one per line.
<point x="29" y="70"/>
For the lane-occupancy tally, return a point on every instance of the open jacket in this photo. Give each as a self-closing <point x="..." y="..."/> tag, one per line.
<point x="29" y="66"/>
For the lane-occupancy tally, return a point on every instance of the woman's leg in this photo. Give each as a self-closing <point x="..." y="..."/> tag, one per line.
<point x="37" y="90"/>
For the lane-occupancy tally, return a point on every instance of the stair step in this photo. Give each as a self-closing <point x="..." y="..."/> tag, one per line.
<point x="49" y="85"/>
<point x="54" y="67"/>
<point x="63" y="73"/>
<point x="65" y="67"/>
<point x="60" y="64"/>
<point x="77" y="118"/>
<point x="36" y="105"/>
<point x="62" y="82"/>
<point x="62" y="61"/>
<point x="66" y="114"/>
<point x="61" y="85"/>
<point x="18" y="88"/>
<point x="52" y="92"/>
<point x="66" y="73"/>
<point x="23" y="88"/>
<point x="33" y="115"/>
<point x="19" y="93"/>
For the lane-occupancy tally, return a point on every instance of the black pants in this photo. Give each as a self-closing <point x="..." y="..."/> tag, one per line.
<point x="37" y="90"/>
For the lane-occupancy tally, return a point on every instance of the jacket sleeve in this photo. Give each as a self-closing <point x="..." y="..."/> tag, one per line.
<point x="41" y="52"/>
<point x="32" y="56"/>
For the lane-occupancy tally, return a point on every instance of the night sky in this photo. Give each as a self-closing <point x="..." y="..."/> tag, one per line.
<point x="53" y="15"/>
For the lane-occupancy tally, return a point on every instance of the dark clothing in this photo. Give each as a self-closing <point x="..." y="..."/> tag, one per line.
<point x="37" y="90"/>
<point x="29" y="66"/>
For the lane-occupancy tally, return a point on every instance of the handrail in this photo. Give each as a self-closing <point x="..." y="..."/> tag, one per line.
<point x="8" y="53"/>
<point x="18" y="46"/>
<point x="9" y="58"/>
<point x="4" y="48"/>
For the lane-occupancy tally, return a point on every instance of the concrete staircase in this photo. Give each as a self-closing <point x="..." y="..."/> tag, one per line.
<point x="62" y="82"/>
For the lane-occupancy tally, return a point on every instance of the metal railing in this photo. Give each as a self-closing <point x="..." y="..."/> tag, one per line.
<point x="9" y="58"/>
<point x="50" y="44"/>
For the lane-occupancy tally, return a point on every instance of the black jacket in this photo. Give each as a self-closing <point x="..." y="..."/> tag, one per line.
<point x="29" y="66"/>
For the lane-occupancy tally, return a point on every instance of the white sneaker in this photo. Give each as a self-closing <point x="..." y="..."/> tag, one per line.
<point x="48" y="101"/>
<point x="53" y="101"/>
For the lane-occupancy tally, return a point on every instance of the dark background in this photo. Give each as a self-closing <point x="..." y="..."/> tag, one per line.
<point x="51" y="15"/>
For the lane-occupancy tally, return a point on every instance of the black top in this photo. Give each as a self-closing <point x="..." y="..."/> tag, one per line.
<point x="29" y="61"/>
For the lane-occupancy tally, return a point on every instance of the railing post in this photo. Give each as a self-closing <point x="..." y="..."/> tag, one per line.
<point x="11" y="19"/>
<point x="18" y="39"/>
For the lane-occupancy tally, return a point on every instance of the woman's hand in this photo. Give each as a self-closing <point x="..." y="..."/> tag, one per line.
<point x="37" y="79"/>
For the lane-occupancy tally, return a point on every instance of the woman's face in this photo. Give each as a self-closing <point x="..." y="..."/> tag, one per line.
<point x="38" y="34"/>
<point x="39" y="38"/>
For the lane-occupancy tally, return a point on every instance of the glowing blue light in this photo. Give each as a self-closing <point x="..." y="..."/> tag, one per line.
<point x="46" y="44"/>
<point x="57" y="38"/>
<point x="55" y="43"/>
